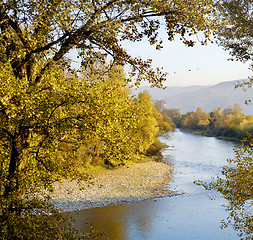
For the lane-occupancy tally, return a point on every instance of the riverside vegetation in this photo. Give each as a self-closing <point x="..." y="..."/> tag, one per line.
<point x="57" y="120"/>
<point x="229" y="123"/>
<point x="235" y="184"/>
<point x="105" y="127"/>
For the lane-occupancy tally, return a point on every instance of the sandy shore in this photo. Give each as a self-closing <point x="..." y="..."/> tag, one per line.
<point x="126" y="184"/>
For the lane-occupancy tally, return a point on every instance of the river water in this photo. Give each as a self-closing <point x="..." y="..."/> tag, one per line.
<point x="191" y="216"/>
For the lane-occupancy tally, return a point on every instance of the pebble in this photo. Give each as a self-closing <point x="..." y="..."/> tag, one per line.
<point x="132" y="183"/>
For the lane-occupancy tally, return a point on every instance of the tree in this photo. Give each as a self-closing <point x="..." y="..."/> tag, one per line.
<point x="237" y="188"/>
<point x="36" y="34"/>
<point x="147" y="128"/>
<point x="195" y="120"/>
<point x="107" y="124"/>
<point x="175" y="115"/>
<point x="166" y="124"/>
<point x="214" y="117"/>
<point x="236" y="35"/>
<point x="33" y="129"/>
<point x="239" y="117"/>
<point x="203" y="118"/>
<point x="231" y="122"/>
<point x="122" y="126"/>
<point x="236" y="185"/>
<point x="71" y="123"/>
<point x="42" y="100"/>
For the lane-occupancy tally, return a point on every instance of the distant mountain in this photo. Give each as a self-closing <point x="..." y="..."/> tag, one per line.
<point x="187" y="99"/>
<point x="161" y="94"/>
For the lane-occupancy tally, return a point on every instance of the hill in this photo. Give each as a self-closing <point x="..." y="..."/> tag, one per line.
<point x="187" y="99"/>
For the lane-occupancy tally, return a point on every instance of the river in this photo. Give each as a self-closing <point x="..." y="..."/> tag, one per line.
<point x="192" y="215"/>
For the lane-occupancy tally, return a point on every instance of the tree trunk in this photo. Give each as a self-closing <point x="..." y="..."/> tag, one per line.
<point x="12" y="191"/>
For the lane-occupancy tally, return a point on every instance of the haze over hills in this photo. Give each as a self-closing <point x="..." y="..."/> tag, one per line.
<point x="187" y="99"/>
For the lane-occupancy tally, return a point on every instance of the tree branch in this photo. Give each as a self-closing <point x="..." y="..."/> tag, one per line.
<point x="6" y="20"/>
<point x="147" y="15"/>
<point x="6" y="132"/>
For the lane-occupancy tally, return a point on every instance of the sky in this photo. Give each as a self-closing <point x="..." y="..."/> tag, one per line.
<point x="187" y="66"/>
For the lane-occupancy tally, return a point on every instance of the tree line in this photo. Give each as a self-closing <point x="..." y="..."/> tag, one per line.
<point x="230" y="123"/>
<point x="235" y="184"/>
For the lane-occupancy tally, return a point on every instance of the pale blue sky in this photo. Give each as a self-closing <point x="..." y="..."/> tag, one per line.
<point x="208" y="65"/>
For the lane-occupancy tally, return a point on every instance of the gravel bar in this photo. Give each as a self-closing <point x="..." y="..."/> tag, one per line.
<point x="131" y="183"/>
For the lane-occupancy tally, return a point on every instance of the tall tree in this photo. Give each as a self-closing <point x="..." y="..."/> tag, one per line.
<point x="175" y="115"/>
<point x="42" y="101"/>
<point x="36" y="36"/>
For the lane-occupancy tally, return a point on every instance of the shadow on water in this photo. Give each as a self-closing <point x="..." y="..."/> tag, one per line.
<point x="189" y="216"/>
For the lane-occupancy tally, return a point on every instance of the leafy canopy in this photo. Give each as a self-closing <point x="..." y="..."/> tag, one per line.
<point x="236" y="36"/>
<point x="42" y="103"/>
<point x="66" y="125"/>
<point x="35" y="34"/>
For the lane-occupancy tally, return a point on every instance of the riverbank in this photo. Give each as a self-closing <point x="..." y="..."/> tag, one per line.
<point x="208" y="134"/>
<point x="190" y="216"/>
<point x="131" y="183"/>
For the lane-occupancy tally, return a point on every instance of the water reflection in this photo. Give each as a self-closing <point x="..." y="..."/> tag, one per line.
<point x="189" y="216"/>
<point x="119" y="221"/>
